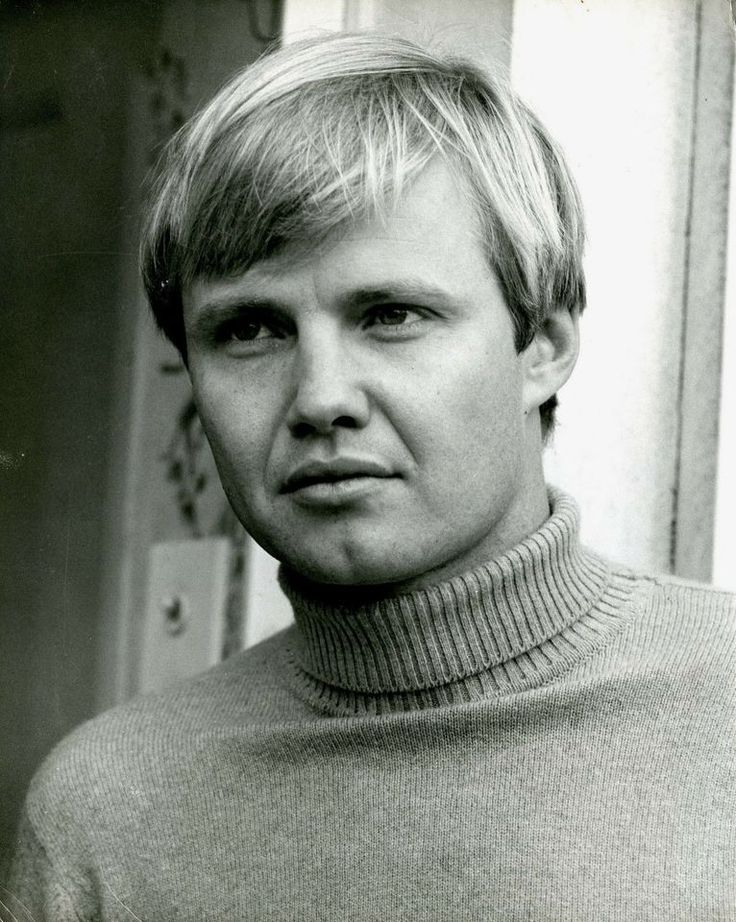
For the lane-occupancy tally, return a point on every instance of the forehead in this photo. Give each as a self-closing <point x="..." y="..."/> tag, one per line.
<point x="429" y="238"/>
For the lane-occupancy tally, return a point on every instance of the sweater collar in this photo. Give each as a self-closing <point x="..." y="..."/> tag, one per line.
<point x="453" y="630"/>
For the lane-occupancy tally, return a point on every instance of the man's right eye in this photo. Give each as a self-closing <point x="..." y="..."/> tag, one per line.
<point x="249" y="330"/>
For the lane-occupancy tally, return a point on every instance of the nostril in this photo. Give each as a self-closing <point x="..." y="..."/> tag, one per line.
<point x="301" y="429"/>
<point x="346" y="422"/>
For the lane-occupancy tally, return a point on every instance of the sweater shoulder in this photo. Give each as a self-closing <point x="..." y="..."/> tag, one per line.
<point x="166" y="730"/>
<point x="711" y="609"/>
<point x="682" y="626"/>
<point x="103" y="783"/>
<point x="688" y="586"/>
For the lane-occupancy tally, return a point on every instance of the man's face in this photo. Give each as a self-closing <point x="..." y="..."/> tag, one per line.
<point x="364" y="399"/>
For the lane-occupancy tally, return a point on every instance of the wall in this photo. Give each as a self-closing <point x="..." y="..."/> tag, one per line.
<point x="724" y="556"/>
<point x="639" y="97"/>
<point x="64" y="74"/>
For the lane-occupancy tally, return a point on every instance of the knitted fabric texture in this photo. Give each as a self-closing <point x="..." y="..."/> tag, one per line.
<point x="546" y="737"/>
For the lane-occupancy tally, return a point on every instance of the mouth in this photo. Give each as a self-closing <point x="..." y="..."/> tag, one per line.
<point x="303" y="482"/>
<point x="339" y="477"/>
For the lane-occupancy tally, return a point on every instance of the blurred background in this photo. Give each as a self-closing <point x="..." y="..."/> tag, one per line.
<point x="121" y="567"/>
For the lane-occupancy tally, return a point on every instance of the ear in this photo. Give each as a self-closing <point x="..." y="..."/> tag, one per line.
<point x="549" y="359"/>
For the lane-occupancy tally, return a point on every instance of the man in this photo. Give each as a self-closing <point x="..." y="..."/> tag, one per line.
<point x="369" y="257"/>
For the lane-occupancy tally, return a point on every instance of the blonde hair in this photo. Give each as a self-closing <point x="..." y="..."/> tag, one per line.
<point x="330" y="130"/>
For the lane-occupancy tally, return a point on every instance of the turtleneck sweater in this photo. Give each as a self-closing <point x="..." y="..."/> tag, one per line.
<point x="545" y="737"/>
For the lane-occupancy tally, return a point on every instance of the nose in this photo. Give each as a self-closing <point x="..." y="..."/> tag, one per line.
<point x="328" y="395"/>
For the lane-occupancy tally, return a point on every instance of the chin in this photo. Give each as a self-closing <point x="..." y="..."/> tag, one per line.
<point x="387" y="554"/>
<point x="347" y="566"/>
<point x="341" y="573"/>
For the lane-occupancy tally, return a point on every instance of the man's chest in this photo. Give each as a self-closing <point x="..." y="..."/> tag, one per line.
<point x="582" y="824"/>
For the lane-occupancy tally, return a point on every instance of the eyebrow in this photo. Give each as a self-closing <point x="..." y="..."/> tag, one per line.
<point x="226" y="306"/>
<point x="231" y="304"/>
<point x="393" y="291"/>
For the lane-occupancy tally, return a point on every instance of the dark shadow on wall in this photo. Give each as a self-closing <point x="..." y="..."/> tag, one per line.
<point x="64" y="72"/>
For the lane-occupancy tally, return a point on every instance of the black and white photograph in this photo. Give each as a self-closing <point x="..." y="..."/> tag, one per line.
<point x="367" y="452"/>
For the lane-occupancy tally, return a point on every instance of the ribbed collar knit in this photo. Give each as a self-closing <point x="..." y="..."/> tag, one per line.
<point x="527" y="611"/>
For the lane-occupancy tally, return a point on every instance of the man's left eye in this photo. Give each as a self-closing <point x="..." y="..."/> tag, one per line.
<point x="249" y="331"/>
<point x="392" y="315"/>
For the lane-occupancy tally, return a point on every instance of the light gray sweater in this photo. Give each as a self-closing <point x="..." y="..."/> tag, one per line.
<point x="544" y="738"/>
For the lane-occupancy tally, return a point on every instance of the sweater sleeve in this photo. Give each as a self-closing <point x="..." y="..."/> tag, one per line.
<point x="36" y="890"/>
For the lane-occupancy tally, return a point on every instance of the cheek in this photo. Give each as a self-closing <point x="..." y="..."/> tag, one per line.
<point x="236" y="429"/>
<point x="465" y="408"/>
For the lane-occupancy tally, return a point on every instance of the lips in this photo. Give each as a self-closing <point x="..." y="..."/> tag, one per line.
<point x="324" y="472"/>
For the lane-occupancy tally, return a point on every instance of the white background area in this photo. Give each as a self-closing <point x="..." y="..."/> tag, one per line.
<point x="612" y="82"/>
<point x="724" y="551"/>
